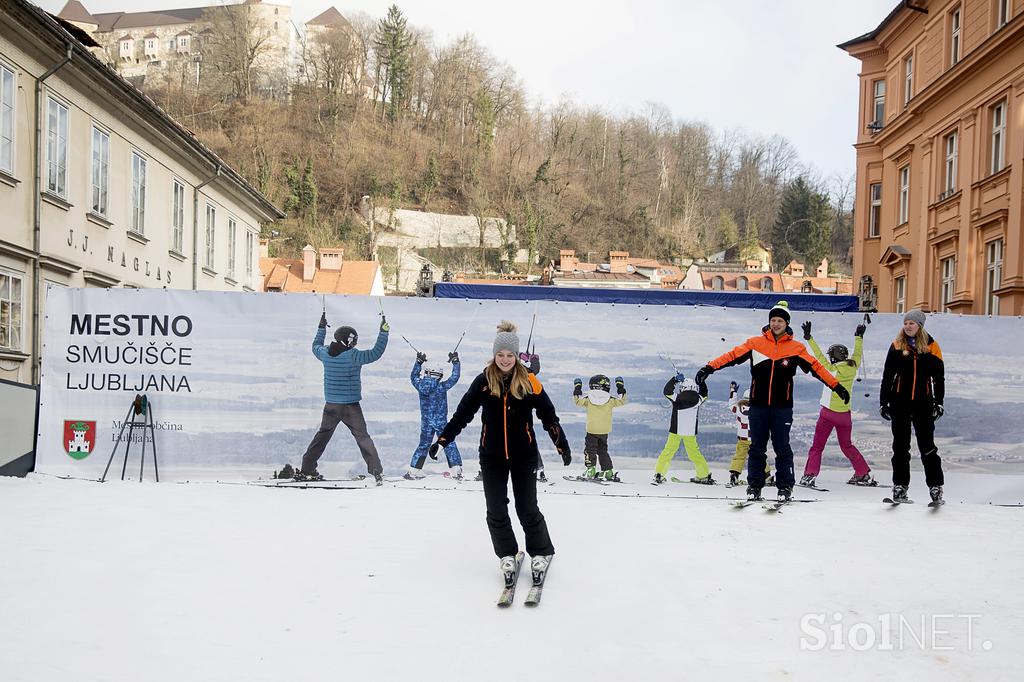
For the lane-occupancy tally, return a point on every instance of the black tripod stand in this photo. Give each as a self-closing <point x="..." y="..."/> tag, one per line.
<point x="140" y="416"/>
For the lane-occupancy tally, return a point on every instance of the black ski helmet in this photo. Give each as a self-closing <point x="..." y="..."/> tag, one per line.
<point x="837" y="352"/>
<point x="601" y="382"/>
<point x="346" y="336"/>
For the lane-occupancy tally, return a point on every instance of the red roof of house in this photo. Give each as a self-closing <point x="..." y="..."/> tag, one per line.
<point x="285" y="274"/>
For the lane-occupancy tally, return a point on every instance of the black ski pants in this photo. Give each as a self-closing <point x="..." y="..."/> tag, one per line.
<point x="595" y="451"/>
<point x="496" y="472"/>
<point x="918" y="415"/>
<point x="773" y="423"/>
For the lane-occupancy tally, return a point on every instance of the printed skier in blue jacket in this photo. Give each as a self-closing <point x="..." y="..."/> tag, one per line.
<point x="343" y="389"/>
<point x="434" y="413"/>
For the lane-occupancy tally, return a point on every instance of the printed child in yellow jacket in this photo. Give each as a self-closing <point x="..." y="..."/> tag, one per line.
<point x="683" y="429"/>
<point x="599" y="403"/>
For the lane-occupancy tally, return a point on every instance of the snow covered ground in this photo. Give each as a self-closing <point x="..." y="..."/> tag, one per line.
<point x="203" y="581"/>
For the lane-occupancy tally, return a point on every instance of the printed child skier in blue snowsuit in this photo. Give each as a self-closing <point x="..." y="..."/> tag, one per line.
<point x="434" y="413"/>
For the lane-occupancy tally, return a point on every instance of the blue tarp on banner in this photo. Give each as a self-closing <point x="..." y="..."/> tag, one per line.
<point x="722" y="299"/>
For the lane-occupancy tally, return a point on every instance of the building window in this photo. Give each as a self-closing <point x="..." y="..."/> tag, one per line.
<point x="138" y="218"/>
<point x="766" y="284"/>
<point x="948" y="281"/>
<point x="904" y="214"/>
<point x="949" y="184"/>
<point x="10" y="311"/>
<point x="993" y="275"/>
<point x="232" y="242"/>
<point x="908" y="79"/>
<point x="211" y="233"/>
<point x="1002" y="12"/>
<point x="127" y="48"/>
<point x="741" y="284"/>
<point x="875" y="212"/>
<point x="900" y="289"/>
<point x="717" y="283"/>
<point x="954" y="36"/>
<point x="178" y="218"/>
<point x="248" y="257"/>
<point x="879" y="91"/>
<point x="998" y="136"/>
<point x="57" y="148"/>
<point x="100" y="170"/>
<point x="6" y="120"/>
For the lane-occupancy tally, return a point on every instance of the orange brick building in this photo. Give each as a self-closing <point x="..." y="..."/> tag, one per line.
<point x="940" y="158"/>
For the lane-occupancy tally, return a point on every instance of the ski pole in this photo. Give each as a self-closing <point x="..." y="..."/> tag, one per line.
<point x="410" y="345"/>
<point x="468" y="324"/>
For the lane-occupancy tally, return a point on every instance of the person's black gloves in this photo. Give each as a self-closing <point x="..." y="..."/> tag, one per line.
<point x="859" y="331"/>
<point x="703" y="373"/>
<point x="453" y="357"/>
<point x="806" y="326"/>
<point x="620" y="385"/>
<point x="938" y="410"/>
<point x="437" y="445"/>
<point x="841" y="391"/>
<point x="884" y="411"/>
<point x="566" y="456"/>
<point x="323" y="320"/>
<point x="577" y="387"/>
<point x="421" y="358"/>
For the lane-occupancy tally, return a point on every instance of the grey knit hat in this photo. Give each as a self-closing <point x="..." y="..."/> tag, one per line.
<point x="916" y="315"/>
<point x="507" y="339"/>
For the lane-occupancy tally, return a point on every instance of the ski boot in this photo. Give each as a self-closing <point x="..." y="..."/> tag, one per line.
<point x="865" y="480"/>
<point x="785" y="494"/>
<point x="287" y="471"/>
<point x="539" y="564"/>
<point x="454" y="473"/>
<point x="807" y="480"/>
<point x="659" y="479"/>
<point x="414" y="474"/>
<point x="313" y="475"/>
<point x="754" y="494"/>
<point x="590" y="473"/>
<point x="479" y="476"/>
<point x="899" y="493"/>
<point x="379" y="479"/>
<point x="706" y="480"/>
<point x="508" y="567"/>
<point x="734" y="479"/>
<point x="541" y="476"/>
<point x="610" y="475"/>
<point x="769" y="481"/>
<point x="936" y="492"/>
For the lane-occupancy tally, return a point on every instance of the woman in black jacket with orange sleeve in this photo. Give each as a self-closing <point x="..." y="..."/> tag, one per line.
<point x="912" y="393"/>
<point x="507" y="394"/>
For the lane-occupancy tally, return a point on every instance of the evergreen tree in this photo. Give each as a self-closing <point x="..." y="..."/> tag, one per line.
<point x="393" y="43"/>
<point x="803" y="227"/>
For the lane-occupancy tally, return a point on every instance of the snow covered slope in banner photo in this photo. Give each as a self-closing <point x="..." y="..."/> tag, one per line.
<point x="235" y="389"/>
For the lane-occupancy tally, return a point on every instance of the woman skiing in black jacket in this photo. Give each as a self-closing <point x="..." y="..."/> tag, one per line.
<point x="913" y="388"/>
<point x="507" y="394"/>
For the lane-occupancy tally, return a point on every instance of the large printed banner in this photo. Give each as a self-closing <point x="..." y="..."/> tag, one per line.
<point x="233" y="386"/>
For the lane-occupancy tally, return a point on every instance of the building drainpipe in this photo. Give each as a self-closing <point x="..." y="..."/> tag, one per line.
<point x="195" y="226"/>
<point x="37" y="207"/>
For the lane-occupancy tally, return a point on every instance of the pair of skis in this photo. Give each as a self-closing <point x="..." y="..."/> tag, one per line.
<point x="896" y="503"/>
<point x="773" y="507"/>
<point x="508" y="592"/>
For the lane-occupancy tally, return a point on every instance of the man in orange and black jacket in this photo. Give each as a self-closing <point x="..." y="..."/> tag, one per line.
<point x="774" y="358"/>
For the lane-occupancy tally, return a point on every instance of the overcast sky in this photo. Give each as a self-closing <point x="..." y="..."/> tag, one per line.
<point x="766" y="67"/>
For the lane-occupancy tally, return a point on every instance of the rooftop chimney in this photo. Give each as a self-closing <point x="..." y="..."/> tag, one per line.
<point x="308" y="263"/>
<point x="331" y="259"/>
<point x="617" y="261"/>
